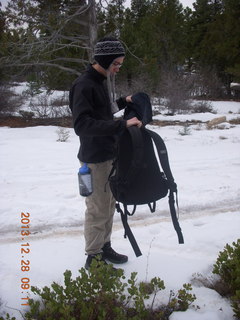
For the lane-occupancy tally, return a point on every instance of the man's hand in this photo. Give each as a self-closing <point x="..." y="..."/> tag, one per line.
<point x="134" y="122"/>
<point x="129" y="98"/>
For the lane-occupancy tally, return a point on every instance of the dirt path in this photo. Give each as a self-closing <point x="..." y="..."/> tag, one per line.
<point x="138" y="220"/>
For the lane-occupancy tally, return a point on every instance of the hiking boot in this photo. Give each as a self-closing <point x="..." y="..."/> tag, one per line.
<point x="91" y="257"/>
<point x="113" y="256"/>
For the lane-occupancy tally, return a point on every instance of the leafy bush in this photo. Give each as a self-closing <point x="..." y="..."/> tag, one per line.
<point x="104" y="293"/>
<point x="227" y="267"/>
<point x="8" y="317"/>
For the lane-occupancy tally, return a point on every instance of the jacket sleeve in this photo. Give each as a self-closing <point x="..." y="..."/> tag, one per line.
<point x="121" y="102"/>
<point x="84" y="118"/>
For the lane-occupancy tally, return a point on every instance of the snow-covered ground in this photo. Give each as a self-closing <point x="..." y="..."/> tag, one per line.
<point x="38" y="179"/>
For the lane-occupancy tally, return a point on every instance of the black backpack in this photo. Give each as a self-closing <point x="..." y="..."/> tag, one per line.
<point x="136" y="177"/>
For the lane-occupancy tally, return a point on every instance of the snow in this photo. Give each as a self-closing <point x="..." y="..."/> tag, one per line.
<point x="39" y="176"/>
<point x="230" y="109"/>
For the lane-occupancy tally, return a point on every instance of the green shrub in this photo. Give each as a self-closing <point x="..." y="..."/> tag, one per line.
<point x="104" y="293"/>
<point x="8" y="317"/>
<point x="227" y="267"/>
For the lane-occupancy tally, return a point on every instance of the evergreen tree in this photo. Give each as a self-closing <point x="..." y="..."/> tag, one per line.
<point x="215" y="34"/>
<point x="139" y="8"/>
<point x="203" y="17"/>
<point x="55" y="37"/>
<point x="226" y="40"/>
<point x="157" y="37"/>
<point x="114" y="17"/>
<point x="53" y="40"/>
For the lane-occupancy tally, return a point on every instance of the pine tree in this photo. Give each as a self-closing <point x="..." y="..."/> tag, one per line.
<point x="215" y="34"/>
<point x="139" y="8"/>
<point x="114" y="17"/>
<point x="56" y="37"/>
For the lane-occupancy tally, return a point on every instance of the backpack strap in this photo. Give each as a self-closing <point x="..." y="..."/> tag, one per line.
<point x="163" y="157"/>
<point x="136" y="162"/>
<point x="137" y="155"/>
<point x="162" y="154"/>
<point x="174" y="216"/>
<point x="152" y="206"/>
<point x="128" y="231"/>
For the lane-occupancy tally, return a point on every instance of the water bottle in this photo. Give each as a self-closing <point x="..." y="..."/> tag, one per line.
<point x="85" y="180"/>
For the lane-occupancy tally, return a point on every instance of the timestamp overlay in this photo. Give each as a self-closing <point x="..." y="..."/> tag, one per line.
<point x="25" y="265"/>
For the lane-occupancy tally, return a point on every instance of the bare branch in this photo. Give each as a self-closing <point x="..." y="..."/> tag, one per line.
<point x="132" y="54"/>
<point x="45" y="64"/>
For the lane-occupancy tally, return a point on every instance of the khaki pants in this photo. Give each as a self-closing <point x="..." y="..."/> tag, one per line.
<point x="100" y="209"/>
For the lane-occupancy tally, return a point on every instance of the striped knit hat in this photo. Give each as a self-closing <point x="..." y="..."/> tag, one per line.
<point x="107" y="50"/>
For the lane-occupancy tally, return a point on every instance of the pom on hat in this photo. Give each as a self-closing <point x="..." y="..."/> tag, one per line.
<point x="107" y="50"/>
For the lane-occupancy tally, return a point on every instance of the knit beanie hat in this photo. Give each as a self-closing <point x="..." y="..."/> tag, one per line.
<point x="107" y="50"/>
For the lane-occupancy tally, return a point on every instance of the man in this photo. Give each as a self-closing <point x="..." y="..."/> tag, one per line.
<point x="92" y="101"/>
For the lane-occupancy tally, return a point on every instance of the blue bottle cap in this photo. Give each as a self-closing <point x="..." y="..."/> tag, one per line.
<point x="84" y="169"/>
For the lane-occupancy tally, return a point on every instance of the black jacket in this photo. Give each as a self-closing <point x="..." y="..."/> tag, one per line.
<point x="92" y="117"/>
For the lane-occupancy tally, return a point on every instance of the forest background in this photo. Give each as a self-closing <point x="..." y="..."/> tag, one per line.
<point x="173" y="52"/>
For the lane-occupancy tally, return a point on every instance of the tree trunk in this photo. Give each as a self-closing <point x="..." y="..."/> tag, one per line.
<point x="92" y="28"/>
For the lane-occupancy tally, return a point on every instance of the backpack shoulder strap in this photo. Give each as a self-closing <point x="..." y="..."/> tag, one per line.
<point x="163" y="157"/>
<point x="136" y="162"/>
<point x="162" y="154"/>
<point x="137" y="153"/>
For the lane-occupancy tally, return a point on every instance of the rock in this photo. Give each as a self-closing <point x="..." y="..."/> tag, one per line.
<point x="215" y="122"/>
